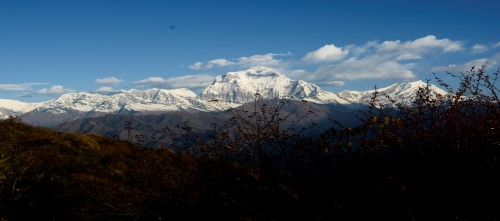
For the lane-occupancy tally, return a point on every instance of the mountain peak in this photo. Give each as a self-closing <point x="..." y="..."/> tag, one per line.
<point x="402" y="92"/>
<point x="410" y="88"/>
<point x="14" y="107"/>
<point x="241" y="87"/>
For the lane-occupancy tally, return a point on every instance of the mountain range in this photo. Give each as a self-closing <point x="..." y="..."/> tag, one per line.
<point x="227" y="91"/>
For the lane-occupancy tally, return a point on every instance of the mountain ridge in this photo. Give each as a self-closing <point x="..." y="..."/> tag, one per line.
<point x="227" y="91"/>
<point x="404" y="93"/>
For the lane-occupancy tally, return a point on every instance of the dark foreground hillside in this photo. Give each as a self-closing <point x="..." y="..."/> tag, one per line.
<point x="436" y="160"/>
<point x="54" y="176"/>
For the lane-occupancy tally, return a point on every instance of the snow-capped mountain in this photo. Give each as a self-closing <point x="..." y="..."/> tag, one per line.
<point x="240" y="88"/>
<point x="403" y="93"/>
<point x="72" y="106"/>
<point x="15" y="108"/>
<point x="150" y="100"/>
<point x="227" y="91"/>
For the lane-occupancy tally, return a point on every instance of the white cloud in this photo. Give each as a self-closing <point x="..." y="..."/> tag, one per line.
<point x="14" y="87"/>
<point x="409" y="50"/>
<point x="332" y="65"/>
<point x="326" y="53"/>
<point x="408" y="56"/>
<point x="386" y="60"/>
<point x="211" y="64"/>
<point x="373" y="67"/>
<point x="479" y="48"/>
<point x="187" y="81"/>
<point x="414" y="50"/>
<point x="355" y="50"/>
<point x="104" y="89"/>
<point x="457" y="68"/>
<point x="53" y="91"/>
<point x="331" y="83"/>
<point x="267" y="60"/>
<point x="108" y="81"/>
<point x="17" y="87"/>
<point x="422" y="44"/>
<point x="149" y="81"/>
<point x="297" y="74"/>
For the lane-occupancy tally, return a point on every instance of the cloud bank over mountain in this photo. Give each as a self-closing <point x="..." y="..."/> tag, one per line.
<point x="387" y="60"/>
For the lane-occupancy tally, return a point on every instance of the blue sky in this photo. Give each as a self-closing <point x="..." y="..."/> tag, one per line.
<point x="52" y="47"/>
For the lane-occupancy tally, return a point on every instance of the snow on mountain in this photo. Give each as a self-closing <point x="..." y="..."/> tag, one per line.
<point x="240" y="88"/>
<point x="229" y="90"/>
<point x="133" y="100"/>
<point x="15" y="108"/>
<point x="403" y="93"/>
